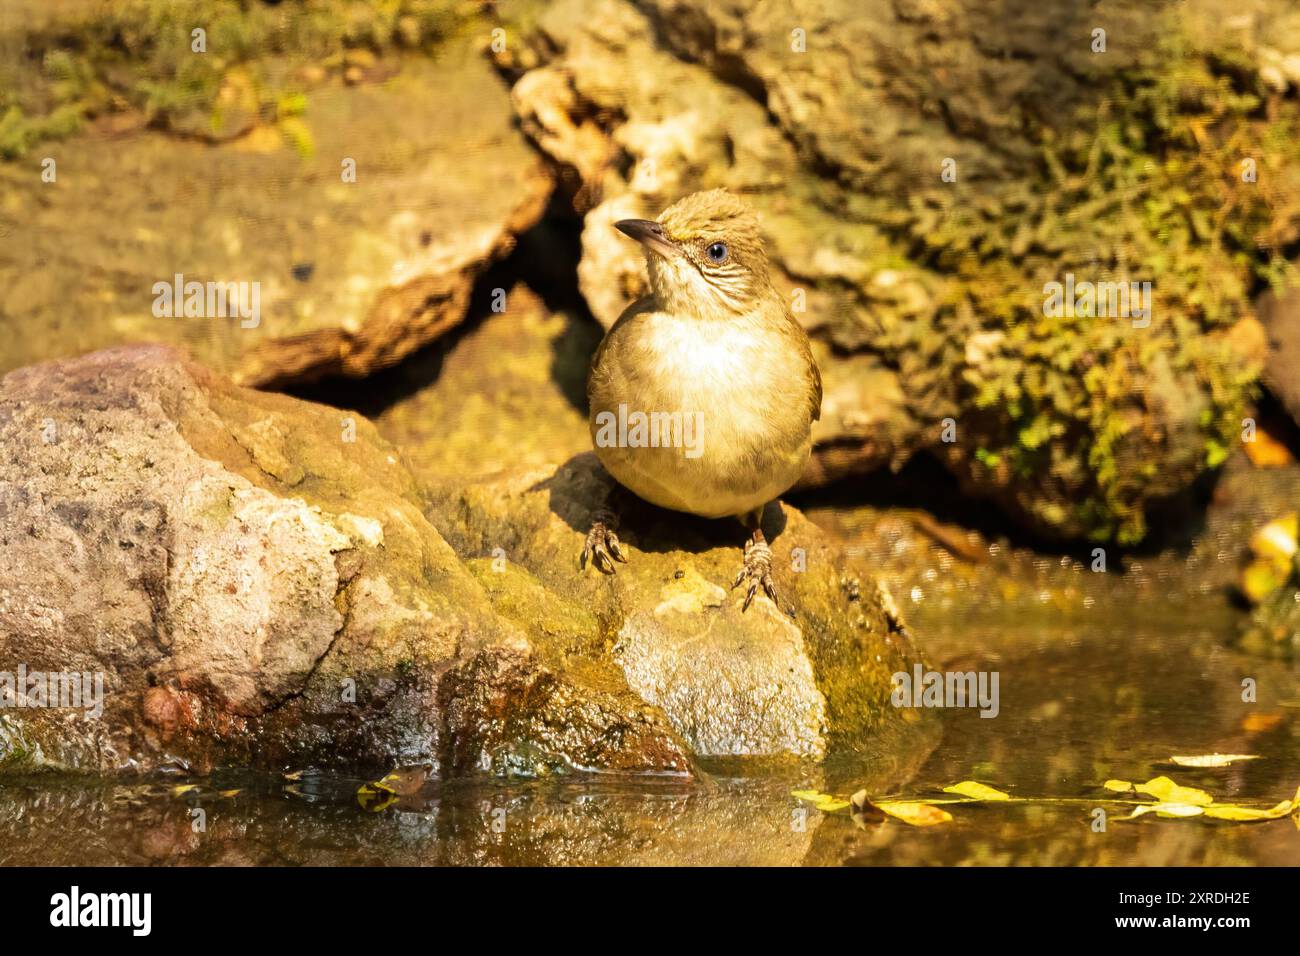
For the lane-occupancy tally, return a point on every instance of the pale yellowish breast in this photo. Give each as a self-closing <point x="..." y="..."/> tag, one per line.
<point x="742" y="381"/>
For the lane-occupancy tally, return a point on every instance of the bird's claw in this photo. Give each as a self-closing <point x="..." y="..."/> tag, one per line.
<point x="602" y="547"/>
<point x="758" y="571"/>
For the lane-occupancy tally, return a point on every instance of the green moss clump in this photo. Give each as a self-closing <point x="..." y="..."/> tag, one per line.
<point x="1083" y="421"/>
<point x="138" y="56"/>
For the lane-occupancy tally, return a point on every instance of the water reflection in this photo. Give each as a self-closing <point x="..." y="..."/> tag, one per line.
<point x="1080" y="703"/>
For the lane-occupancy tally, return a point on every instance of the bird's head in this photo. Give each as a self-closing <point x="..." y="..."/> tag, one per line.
<point x="705" y="255"/>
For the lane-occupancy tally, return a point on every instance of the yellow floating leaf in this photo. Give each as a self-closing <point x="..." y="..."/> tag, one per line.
<point x="976" y="791"/>
<point x="183" y="788"/>
<point x="1212" y="760"/>
<point x="1219" y="811"/>
<point x="1168" y="792"/>
<point x="1228" y="811"/>
<point x="822" y="801"/>
<point x="230" y="793"/>
<point x="1168" y="810"/>
<point x="914" y="814"/>
<point x="1118" y="786"/>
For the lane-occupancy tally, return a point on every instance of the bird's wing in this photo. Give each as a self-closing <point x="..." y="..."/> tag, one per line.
<point x="816" y="387"/>
<point x="814" y="374"/>
<point x="643" y="304"/>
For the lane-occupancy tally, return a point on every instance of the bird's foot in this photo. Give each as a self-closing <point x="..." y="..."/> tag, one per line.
<point x="602" y="547"/>
<point x="757" y="571"/>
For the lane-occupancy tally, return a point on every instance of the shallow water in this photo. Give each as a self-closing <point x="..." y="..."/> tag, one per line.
<point x="1083" y="699"/>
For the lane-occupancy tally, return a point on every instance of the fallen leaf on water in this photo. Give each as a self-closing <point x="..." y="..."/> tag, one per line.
<point x="822" y="801"/>
<point x="1258" y="723"/>
<point x="976" y="791"/>
<point x="183" y="788"/>
<point x="1212" y="810"/>
<point x="1172" y="800"/>
<point x="1211" y="760"/>
<point x="230" y="793"/>
<point x="915" y="814"/>
<point x="1232" y="812"/>
<point x="406" y="781"/>
<point x="1164" y="790"/>
<point x="1167" y="810"/>
<point x="912" y="812"/>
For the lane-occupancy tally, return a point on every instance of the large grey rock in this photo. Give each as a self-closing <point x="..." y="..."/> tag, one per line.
<point x="254" y="579"/>
<point x="261" y="581"/>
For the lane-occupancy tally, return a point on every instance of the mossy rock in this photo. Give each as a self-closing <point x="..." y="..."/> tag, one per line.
<point x="761" y="683"/>
<point x="1122" y="165"/>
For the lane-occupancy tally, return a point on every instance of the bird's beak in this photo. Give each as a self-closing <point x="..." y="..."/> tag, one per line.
<point x="650" y="234"/>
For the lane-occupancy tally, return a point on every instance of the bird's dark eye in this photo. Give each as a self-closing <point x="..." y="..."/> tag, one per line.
<point x="717" y="252"/>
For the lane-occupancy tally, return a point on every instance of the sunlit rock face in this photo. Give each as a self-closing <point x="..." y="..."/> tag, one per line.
<point x="344" y="259"/>
<point x="731" y="683"/>
<point x="254" y="579"/>
<point x="257" y="580"/>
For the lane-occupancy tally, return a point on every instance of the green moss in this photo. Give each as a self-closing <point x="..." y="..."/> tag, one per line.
<point x="137" y="55"/>
<point x="17" y="752"/>
<point x="1141" y="183"/>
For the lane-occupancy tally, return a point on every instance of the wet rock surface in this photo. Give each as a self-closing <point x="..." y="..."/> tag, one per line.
<point x="261" y="581"/>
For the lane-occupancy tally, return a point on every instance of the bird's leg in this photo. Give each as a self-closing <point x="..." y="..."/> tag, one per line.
<point x="602" y="547"/>
<point x="757" y="569"/>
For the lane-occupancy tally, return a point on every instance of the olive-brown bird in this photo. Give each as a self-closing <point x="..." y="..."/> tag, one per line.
<point x="704" y="392"/>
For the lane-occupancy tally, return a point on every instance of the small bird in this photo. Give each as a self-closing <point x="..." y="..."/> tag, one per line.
<point x="704" y="392"/>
